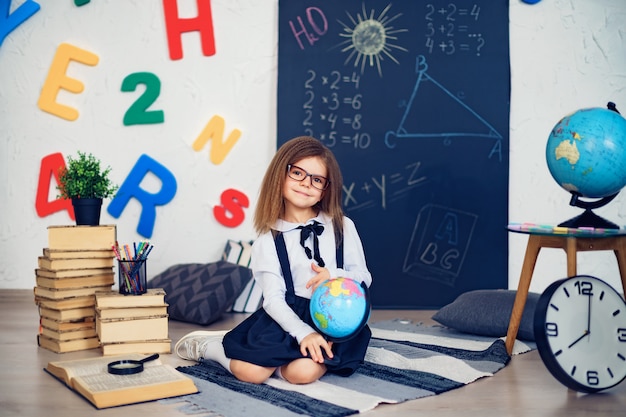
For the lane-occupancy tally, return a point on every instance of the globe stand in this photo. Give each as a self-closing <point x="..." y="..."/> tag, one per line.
<point x="589" y="218"/>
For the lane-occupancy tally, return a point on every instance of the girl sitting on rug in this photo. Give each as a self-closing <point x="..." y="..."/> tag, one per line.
<point x="304" y="240"/>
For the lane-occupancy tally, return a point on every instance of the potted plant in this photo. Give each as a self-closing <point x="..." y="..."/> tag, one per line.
<point x="86" y="183"/>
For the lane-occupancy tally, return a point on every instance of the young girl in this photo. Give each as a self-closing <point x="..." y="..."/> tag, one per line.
<point x="304" y="240"/>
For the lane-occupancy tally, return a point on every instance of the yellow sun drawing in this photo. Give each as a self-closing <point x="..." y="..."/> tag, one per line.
<point x="369" y="39"/>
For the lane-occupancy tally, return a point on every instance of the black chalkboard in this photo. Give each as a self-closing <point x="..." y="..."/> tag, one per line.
<point x="413" y="98"/>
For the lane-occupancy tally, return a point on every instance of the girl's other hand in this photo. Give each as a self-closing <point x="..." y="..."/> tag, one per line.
<point x="322" y="275"/>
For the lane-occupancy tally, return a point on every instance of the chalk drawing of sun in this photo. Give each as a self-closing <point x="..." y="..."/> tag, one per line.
<point x="369" y="39"/>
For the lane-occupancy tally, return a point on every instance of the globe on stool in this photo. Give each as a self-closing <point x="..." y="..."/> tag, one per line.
<point x="340" y="307"/>
<point x="586" y="155"/>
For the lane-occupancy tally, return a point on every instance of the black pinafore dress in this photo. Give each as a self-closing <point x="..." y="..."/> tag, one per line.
<point x="260" y="340"/>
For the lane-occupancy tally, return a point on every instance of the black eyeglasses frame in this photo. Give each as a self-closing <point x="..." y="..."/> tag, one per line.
<point x="306" y="174"/>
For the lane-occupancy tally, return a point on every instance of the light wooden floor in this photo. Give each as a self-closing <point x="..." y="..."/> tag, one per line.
<point x="523" y="388"/>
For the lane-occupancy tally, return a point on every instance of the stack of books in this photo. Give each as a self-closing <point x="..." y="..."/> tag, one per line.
<point x="132" y="323"/>
<point x="77" y="263"/>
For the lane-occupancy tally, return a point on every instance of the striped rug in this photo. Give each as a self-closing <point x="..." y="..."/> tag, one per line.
<point x="403" y="362"/>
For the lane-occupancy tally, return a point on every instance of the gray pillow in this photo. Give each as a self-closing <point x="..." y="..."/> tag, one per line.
<point x="201" y="293"/>
<point x="487" y="313"/>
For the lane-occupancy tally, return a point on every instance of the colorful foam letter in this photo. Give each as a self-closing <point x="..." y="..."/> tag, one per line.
<point x="57" y="80"/>
<point x="176" y="26"/>
<point x="138" y="113"/>
<point x="9" y="21"/>
<point x="233" y="202"/>
<point x="214" y="130"/>
<point x="131" y="188"/>
<point x="50" y="166"/>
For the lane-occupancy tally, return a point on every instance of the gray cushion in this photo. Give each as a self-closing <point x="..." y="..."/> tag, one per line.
<point x="487" y="313"/>
<point x="201" y="293"/>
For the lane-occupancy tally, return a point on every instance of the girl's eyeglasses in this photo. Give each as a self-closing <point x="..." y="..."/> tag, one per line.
<point x="317" y="181"/>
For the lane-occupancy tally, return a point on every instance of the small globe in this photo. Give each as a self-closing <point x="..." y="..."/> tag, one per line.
<point x="340" y="307"/>
<point x="586" y="152"/>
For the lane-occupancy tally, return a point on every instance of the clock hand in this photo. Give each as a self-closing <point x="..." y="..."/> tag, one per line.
<point x="589" y="314"/>
<point x="586" y="333"/>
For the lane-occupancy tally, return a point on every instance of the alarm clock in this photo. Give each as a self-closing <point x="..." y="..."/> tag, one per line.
<point x="580" y="331"/>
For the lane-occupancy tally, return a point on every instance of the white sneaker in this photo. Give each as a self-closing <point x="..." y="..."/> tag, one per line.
<point x="193" y="345"/>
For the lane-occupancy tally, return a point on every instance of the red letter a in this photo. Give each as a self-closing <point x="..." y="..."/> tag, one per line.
<point x="50" y="166"/>
<point x="176" y="26"/>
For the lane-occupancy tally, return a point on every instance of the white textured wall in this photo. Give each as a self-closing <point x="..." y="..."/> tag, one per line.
<point x="565" y="55"/>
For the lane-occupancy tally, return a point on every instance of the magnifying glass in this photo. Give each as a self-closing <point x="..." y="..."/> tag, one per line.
<point x="129" y="366"/>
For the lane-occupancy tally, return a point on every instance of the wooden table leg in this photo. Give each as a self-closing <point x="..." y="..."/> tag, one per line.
<point x="620" y="254"/>
<point x="570" y="250"/>
<point x="530" y="260"/>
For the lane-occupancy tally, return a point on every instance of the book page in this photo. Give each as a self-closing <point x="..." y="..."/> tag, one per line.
<point x="153" y="374"/>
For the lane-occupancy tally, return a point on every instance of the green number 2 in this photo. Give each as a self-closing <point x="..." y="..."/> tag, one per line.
<point x="138" y="113"/>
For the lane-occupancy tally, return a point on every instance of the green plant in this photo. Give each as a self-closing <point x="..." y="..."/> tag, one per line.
<point x="83" y="177"/>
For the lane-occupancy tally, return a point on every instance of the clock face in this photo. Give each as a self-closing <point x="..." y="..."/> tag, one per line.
<point x="580" y="330"/>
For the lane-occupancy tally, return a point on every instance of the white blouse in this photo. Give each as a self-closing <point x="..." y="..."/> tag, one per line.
<point x="268" y="274"/>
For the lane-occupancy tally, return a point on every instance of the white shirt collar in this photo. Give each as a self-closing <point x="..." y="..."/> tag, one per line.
<point x="285" y="226"/>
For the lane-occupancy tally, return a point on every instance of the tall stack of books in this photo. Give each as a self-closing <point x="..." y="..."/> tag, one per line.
<point x="132" y="323"/>
<point x="77" y="263"/>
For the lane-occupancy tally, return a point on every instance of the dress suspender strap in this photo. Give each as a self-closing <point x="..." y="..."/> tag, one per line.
<point x="281" y="248"/>
<point x="283" y="258"/>
<point x="339" y="255"/>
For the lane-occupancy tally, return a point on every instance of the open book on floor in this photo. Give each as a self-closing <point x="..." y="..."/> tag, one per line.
<point x="91" y="379"/>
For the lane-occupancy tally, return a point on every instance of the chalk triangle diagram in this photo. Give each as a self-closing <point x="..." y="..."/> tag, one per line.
<point x="422" y="119"/>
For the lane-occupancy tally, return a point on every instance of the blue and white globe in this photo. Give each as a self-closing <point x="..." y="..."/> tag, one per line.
<point x="586" y="152"/>
<point x="340" y="307"/>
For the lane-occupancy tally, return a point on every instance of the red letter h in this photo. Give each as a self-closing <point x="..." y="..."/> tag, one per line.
<point x="176" y="26"/>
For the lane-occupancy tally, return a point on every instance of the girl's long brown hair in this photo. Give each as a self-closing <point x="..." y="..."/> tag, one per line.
<point x="270" y="206"/>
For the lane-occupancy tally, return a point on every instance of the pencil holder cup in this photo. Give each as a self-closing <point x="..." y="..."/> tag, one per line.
<point x="133" y="279"/>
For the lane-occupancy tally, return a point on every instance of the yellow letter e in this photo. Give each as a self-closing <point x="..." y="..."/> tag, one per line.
<point x="57" y="79"/>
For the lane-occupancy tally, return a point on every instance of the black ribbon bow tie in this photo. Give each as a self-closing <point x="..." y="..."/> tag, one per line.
<point x="314" y="229"/>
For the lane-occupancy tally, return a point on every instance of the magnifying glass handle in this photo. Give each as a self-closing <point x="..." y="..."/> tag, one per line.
<point x="149" y="358"/>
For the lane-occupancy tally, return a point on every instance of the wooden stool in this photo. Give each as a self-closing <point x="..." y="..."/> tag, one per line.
<point x="571" y="243"/>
